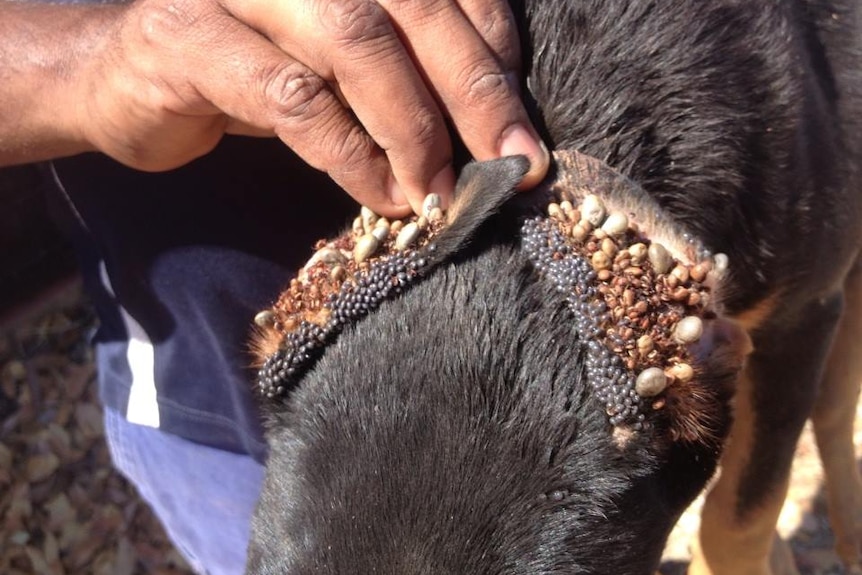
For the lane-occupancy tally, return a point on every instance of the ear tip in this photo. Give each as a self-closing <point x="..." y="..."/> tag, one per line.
<point x="518" y="163"/>
<point x="506" y="172"/>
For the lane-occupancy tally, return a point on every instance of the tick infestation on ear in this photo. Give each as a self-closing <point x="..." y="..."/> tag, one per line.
<point x="344" y="280"/>
<point x="635" y="304"/>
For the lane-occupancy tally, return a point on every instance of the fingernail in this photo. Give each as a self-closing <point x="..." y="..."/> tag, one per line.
<point x="519" y="140"/>
<point x="443" y="184"/>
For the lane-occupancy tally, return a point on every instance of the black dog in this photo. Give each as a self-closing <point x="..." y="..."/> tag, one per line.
<point x="456" y="424"/>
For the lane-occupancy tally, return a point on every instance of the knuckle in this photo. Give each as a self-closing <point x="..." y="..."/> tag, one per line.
<point x="293" y="92"/>
<point x="482" y="85"/>
<point x="160" y="23"/>
<point x="348" y="21"/>
<point x="425" y="131"/>
<point x="350" y="152"/>
<point x="418" y="141"/>
<point x="499" y="31"/>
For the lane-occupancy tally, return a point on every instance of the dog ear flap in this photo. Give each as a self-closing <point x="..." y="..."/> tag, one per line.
<point x="700" y="411"/>
<point x="482" y="189"/>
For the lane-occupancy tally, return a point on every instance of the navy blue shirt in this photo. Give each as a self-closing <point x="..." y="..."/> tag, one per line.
<point x="178" y="263"/>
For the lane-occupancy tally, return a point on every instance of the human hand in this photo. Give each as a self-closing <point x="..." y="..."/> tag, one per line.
<point x="357" y="88"/>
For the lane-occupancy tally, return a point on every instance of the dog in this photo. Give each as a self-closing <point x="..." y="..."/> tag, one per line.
<point x="471" y="400"/>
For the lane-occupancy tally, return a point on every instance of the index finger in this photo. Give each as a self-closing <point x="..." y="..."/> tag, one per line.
<point x="354" y="44"/>
<point x="477" y="90"/>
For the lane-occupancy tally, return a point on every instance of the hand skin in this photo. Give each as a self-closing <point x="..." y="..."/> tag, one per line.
<point x="357" y="88"/>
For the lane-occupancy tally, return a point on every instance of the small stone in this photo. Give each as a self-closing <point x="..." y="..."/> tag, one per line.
<point x="430" y="202"/>
<point x="555" y="211"/>
<point x="689" y="329"/>
<point x="422" y="222"/>
<point x="600" y="261"/>
<point x="39" y="467"/>
<point x="407" y="236"/>
<point x="15" y="370"/>
<point x="616" y="224"/>
<point x="682" y="372"/>
<point x="645" y="345"/>
<point x="382" y="223"/>
<point x="650" y="382"/>
<point x="358" y="228"/>
<point x="659" y="257"/>
<point x="380" y="232"/>
<point x="567" y="208"/>
<point x="265" y="318"/>
<point x="593" y="210"/>
<point x="397" y="226"/>
<point x="365" y="247"/>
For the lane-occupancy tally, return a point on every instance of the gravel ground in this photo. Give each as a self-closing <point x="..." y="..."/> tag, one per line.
<point x="63" y="510"/>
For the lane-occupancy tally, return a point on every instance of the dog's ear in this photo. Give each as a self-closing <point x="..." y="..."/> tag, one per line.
<point x="482" y="189"/>
<point x="698" y="412"/>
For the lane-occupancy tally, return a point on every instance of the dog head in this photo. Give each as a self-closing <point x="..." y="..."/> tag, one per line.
<point x="488" y="413"/>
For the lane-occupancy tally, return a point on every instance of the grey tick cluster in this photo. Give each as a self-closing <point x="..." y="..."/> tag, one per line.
<point x="343" y="281"/>
<point x="573" y="276"/>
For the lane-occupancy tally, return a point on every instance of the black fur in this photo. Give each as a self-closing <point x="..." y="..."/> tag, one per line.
<point x="724" y="111"/>
<point x="452" y="431"/>
<point x="436" y="436"/>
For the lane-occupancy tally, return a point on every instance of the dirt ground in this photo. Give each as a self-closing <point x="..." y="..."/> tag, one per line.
<point x="63" y="510"/>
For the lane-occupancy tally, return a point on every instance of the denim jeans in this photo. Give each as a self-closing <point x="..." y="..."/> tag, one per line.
<point x="204" y="496"/>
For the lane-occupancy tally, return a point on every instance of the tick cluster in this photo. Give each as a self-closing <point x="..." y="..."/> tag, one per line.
<point x="343" y="281"/>
<point x="634" y="305"/>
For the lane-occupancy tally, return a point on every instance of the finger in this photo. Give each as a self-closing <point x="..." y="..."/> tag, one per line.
<point x="353" y="43"/>
<point x="494" y="22"/>
<point x="252" y="81"/>
<point x="237" y="128"/>
<point x="470" y="82"/>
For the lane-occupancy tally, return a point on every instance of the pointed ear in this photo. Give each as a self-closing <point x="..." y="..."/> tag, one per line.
<point x="482" y="189"/>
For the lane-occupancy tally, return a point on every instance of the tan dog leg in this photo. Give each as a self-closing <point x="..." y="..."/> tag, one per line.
<point x="775" y="397"/>
<point x="727" y="543"/>
<point x="833" y="418"/>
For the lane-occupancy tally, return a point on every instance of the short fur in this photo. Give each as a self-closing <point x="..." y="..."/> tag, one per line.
<point x="452" y="430"/>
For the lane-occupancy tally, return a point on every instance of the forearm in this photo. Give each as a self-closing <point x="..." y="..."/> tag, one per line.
<point x="44" y="49"/>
